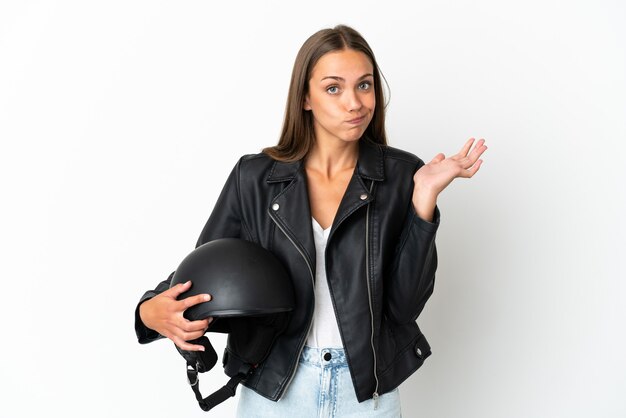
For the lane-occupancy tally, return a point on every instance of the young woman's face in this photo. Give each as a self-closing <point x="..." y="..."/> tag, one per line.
<point x="341" y="95"/>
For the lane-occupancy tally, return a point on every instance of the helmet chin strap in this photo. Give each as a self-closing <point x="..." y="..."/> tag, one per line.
<point x="202" y="361"/>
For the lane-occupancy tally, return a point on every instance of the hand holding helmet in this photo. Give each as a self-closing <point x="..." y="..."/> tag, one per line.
<point x="253" y="299"/>
<point x="164" y="314"/>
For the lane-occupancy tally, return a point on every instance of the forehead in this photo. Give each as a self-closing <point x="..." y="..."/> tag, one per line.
<point x="346" y="63"/>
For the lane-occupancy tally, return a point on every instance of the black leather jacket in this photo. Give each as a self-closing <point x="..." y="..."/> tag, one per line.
<point x="380" y="263"/>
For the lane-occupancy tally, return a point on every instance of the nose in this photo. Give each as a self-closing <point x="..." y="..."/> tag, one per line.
<point x="353" y="102"/>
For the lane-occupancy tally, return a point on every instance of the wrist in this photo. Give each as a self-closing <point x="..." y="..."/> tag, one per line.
<point x="144" y="314"/>
<point x="424" y="205"/>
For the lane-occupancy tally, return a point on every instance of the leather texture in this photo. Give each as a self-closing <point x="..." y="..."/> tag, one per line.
<point x="380" y="261"/>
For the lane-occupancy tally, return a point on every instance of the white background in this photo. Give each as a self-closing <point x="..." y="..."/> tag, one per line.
<point x="120" y="121"/>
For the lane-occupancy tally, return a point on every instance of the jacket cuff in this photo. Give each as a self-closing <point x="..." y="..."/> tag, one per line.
<point x="425" y="225"/>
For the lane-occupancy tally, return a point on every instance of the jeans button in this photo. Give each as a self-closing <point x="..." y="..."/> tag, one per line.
<point x="327" y="356"/>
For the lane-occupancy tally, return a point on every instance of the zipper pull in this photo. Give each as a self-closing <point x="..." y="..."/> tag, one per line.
<point x="375" y="398"/>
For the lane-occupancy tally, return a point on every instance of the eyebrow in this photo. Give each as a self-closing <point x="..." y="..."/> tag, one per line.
<point x="334" y="77"/>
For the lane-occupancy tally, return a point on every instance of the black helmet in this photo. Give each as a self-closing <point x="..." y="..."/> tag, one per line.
<point x="252" y="295"/>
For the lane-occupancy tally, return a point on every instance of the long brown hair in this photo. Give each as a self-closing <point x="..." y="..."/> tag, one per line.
<point x="297" y="136"/>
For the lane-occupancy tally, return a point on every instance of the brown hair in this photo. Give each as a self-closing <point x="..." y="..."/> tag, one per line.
<point x="297" y="136"/>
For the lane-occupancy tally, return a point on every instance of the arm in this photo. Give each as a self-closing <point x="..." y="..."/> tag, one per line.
<point x="158" y="312"/>
<point x="413" y="274"/>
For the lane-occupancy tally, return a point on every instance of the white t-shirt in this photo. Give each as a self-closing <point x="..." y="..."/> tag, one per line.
<point x="324" y="331"/>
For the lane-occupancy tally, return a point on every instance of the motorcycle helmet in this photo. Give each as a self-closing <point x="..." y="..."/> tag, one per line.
<point x="252" y="295"/>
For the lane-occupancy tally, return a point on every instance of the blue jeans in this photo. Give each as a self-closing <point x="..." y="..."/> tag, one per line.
<point x="321" y="388"/>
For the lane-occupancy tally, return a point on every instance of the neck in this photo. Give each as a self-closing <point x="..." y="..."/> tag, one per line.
<point x="332" y="158"/>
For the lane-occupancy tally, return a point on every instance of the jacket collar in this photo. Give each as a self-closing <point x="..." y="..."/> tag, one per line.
<point x="369" y="166"/>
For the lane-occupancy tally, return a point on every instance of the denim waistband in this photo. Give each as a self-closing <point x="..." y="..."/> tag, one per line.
<point x="320" y="356"/>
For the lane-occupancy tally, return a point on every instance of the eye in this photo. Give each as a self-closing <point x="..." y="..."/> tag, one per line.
<point x="332" y="90"/>
<point x="366" y="85"/>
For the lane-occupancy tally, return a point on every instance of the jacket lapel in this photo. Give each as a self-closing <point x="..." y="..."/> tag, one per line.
<point x="360" y="190"/>
<point x="290" y="208"/>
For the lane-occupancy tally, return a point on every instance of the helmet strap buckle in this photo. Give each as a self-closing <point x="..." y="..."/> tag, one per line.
<point x="192" y="374"/>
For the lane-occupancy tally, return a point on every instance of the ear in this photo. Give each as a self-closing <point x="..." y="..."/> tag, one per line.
<point x="306" y="105"/>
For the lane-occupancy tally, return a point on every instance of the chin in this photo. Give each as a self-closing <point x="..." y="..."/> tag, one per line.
<point x="351" y="138"/>
<point x="354" y="136"/>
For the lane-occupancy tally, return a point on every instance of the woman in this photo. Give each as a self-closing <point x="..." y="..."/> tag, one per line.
<point x="354" y="223"/>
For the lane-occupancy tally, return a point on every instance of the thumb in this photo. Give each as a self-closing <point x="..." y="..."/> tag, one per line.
<point x="438" y="158"/>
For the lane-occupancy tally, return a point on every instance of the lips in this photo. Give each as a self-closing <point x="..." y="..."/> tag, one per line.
<point x="356" y="121"/>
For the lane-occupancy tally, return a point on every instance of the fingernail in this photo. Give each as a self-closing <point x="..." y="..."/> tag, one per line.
<point x="201" y="348"/>
<point x="207" y="297"/>
<point x="210" y="320"/>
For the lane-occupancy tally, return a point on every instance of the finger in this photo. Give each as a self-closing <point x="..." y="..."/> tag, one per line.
<point x="470" y="160"/>
<point x="438" y="158"/>
<point x="476" y="167"/>
<point x="465" y="150"/>
<point x="189" y="336"/>
<point x="184" y="345"/>
<point x="472" y="170"/>
<point x="175" y="291"/>
<point x="191" y="326"/>
<point x="479" y="148"/>
<point x="195" y="300"/>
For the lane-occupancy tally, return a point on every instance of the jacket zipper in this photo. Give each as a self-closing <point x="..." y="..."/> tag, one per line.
<point x="369" y="294"/>
<point x="293" y="372"/>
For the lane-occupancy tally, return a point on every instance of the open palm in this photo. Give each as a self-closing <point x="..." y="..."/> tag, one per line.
<point x="432" y="178"/>
<point x="440" y="171"/>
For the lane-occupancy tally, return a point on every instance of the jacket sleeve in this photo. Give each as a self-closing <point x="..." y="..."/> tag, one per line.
<point x="224" y="222"/>
<point x="226" y="219"/>
<point x="412" y="276"/>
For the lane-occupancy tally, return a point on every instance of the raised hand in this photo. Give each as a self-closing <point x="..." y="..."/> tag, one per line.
<point x="432" y="178"/>
<point x="164" y="314"/>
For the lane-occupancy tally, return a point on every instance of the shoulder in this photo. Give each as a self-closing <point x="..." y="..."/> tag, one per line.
<point x="255" y="163"/>
<point x="259" y="157"/>
<point x="398" y="161"/>
<point x="392" y="155"/>
<point x="261" y="168"/>
<point x="399" y="155"/>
